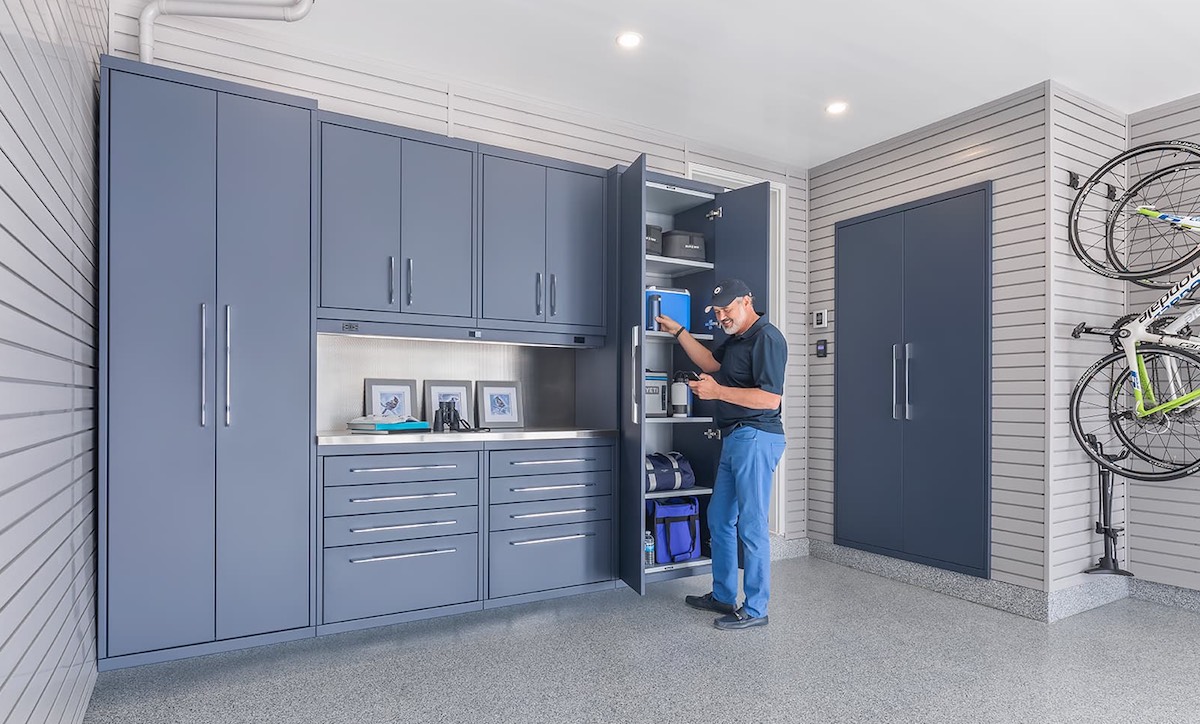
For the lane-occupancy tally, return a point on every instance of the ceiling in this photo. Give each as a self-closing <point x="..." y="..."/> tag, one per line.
<point x="755" y="76"/>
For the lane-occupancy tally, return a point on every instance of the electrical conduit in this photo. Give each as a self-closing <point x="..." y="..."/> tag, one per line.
<point x="286" y="10"/>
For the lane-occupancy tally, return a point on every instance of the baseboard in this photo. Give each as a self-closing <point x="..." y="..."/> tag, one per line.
<point x="1168" y="595"/>
<point x="782" y="548"/>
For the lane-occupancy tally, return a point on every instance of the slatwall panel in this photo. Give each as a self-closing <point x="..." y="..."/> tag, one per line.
<point x="1004" y="141"/>
<point x="370" y="89"/>
<point x="1164" y="518"/>
<point x="1083" y="135"/>
<point x="48" y="256"/>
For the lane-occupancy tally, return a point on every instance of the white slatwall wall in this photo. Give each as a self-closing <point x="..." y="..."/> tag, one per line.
<point x="1083" y="135"/>
<point x="369" y="89"/>
<point x="48" y="189"/>
<point x="1004" y="141"/>
<point x="1164" y="518"/>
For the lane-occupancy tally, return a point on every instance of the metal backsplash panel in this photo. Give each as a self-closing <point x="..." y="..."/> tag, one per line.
<point x="546" y="374"/>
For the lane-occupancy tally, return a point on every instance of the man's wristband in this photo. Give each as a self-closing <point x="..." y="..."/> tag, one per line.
<point x="679" y="331"/>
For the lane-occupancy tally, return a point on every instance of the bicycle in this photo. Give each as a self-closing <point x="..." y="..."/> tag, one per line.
<point x="1144" y="397"/>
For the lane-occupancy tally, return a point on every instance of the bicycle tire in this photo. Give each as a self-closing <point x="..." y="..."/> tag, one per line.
<point x="1114" y="426"/>
<point x="1089" y="230"/>
<point x="1153" y="236"/>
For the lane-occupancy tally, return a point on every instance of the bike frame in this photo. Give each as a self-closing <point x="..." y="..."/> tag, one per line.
<point x="1136" y="332"/>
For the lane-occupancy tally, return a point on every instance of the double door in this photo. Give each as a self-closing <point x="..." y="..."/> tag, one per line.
<point x="206" y="393"/>
<point x="396" y="224"/>
<point x="912" y="376"/>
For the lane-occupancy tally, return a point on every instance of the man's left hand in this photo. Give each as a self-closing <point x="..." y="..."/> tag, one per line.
<point x="706" y="388"/>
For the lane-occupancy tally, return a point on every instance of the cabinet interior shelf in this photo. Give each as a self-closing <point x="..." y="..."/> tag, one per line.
<point x="667" y="266"/>
<point x="652" y="336"/>
<point x="696" y="490"/>
<point x="701" y="561"/>
<point x="667" y="199"/>
<point x="660" y="420"/>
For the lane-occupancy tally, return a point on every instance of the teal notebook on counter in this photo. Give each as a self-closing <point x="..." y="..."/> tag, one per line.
<point x="380" y="424"/>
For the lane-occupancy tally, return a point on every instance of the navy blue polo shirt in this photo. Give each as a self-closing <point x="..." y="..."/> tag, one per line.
<point x="756" y="358"/>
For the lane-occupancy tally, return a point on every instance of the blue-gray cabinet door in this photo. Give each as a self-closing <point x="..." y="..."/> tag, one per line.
<point x="868" y="402"/>
<point x="947" y="333"/>
<point x="743" y="240"/>
<point x="360" y="219"/>
<point x="630" y="309"/>
<point x="436" y="222"/>
<point x="575" y="252"/>
<point x="162" y="412"/>
<point x="514" y="240"/>
<point x="264" y="442"/>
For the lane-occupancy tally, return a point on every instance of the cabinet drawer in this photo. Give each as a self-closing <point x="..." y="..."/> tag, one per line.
<point x="550" y="512"/>
<point x="543" y="461"/>
<point x="550" y="487"/>
<point x="539" y="559"/>
<point x="395" y="497"/>
<point x="373" y="580"/>
<point x="405" y="467"/>
<point x="382" y="527"/>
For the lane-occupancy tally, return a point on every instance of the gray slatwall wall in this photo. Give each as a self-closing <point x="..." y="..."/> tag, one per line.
<point x="1083" y="135"/>
<point x="1004" y="141"/>
<point x="48" y="102"/>
<point x="1164" y="533"/>
<point x="369" y="89"/>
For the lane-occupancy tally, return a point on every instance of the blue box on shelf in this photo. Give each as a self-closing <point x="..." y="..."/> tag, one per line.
<point x="673" y="303"/>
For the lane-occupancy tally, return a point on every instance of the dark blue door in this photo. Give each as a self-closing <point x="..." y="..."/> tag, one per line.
<point x="868" y="428"/>
<point x="743" y="240"/>
<point x="514" y="240"/>
<point x="575" y="253"/>
<point x="436" y="239"/>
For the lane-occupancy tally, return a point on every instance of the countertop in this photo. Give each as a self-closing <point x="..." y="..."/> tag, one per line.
<point x="345" y="437"/>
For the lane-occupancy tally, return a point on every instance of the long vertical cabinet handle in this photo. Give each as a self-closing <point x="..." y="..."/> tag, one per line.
<point x="391" y="280"/>
<point x="228" y="358"/>
<point x="635" y="388"/>
<point x="907" y="367"/>
<point x="203" y="364"/>
<point x="553" y="297"/>
<point x="408" y="291"/>
<point x="895" y="361"/>
<point x="537" y="293"/>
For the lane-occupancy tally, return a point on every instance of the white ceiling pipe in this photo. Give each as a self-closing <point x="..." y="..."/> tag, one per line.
<point x="286" y="10"/>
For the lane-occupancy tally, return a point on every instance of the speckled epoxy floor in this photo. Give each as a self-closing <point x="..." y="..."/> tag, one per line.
<point x="842" y="646"/>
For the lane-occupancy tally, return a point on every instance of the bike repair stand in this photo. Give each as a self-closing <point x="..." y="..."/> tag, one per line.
<point x="1108" y="564"/>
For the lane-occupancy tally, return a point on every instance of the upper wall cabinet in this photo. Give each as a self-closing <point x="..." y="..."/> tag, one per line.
<point x="396" y="225"/>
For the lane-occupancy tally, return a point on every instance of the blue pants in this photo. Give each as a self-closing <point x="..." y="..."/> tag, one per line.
<point x="740" y="501"/>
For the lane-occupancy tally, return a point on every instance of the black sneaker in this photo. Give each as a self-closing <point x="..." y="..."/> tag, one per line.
<point x="708" y="603"/>
<point x="739" y="619"/>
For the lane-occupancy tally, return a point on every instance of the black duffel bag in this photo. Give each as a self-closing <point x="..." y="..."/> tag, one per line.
<point x="668" y="471"/>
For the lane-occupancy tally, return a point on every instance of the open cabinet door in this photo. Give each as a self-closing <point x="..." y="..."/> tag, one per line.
<point x="743" y="240"/>
<point x="632" y="260"/>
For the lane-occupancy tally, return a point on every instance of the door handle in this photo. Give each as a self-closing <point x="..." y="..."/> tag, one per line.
<point x="228" y="358"/>
<point x="895" y="361"/>
<point x="553" y="297"/>
<point x="391" y="280"/>
<point x="409" y="290"/>
<point x="907" y="386"/>
<point x="537" y="295"/>
<point x="203" y="364"/>
<point x="634" y="384"/>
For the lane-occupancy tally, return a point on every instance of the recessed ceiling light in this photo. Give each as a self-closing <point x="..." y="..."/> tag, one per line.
<point x="629" y="39"/>
<point x="837" y="107"/>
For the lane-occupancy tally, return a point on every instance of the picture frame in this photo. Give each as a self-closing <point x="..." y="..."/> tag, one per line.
<point x="499" y="404"/>
<point x="462" y="391"/>
<point x="390" y="398"/>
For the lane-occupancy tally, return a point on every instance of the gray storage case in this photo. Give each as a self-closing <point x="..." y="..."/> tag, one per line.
<point x="654" y="240"/>
<point x="684" y="245"/>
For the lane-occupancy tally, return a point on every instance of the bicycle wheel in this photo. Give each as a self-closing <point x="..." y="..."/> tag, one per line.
<point x="1098" y="228"/>
<point x="1163" y="446"/>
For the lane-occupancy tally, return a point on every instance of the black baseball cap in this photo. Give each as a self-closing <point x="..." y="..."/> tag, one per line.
<point x="725" y="292"/>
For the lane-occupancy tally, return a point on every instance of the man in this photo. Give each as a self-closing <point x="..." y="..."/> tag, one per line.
<point x="745" y="376"/>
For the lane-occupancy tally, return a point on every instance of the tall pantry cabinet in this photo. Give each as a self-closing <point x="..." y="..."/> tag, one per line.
<point x="206" y="452"/>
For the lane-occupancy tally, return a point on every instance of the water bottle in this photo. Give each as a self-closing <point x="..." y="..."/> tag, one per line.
<point x="649" y="548"/>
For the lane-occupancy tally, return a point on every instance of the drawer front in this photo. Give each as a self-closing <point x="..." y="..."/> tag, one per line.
<point x="543" y="461"/>
<point x="373" y="580"/>
<point x="382" y="527"/>
<point x="550" y="487"/>
<point x="539" y="559"/>
<point x="396" y="497"/>
<point x="550" y="512"/>
<point x="400" y="468"/>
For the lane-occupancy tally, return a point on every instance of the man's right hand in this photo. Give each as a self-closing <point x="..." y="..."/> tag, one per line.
<point x="668" y="325"/>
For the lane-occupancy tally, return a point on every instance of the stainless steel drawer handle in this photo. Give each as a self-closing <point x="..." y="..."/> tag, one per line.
<point x="407" y="469"/>
<point x="551" y="540"/>
<point x="390" y="498"/>
<point x="554" y="462"/>
<point x="375" y="559"/>
<point x="406" y="526"/>
<point x="547" y="515"/>
<point x="575" y="486"/>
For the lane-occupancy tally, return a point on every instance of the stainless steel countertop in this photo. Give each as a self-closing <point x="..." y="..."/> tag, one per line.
<point x="345" y="437"/>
